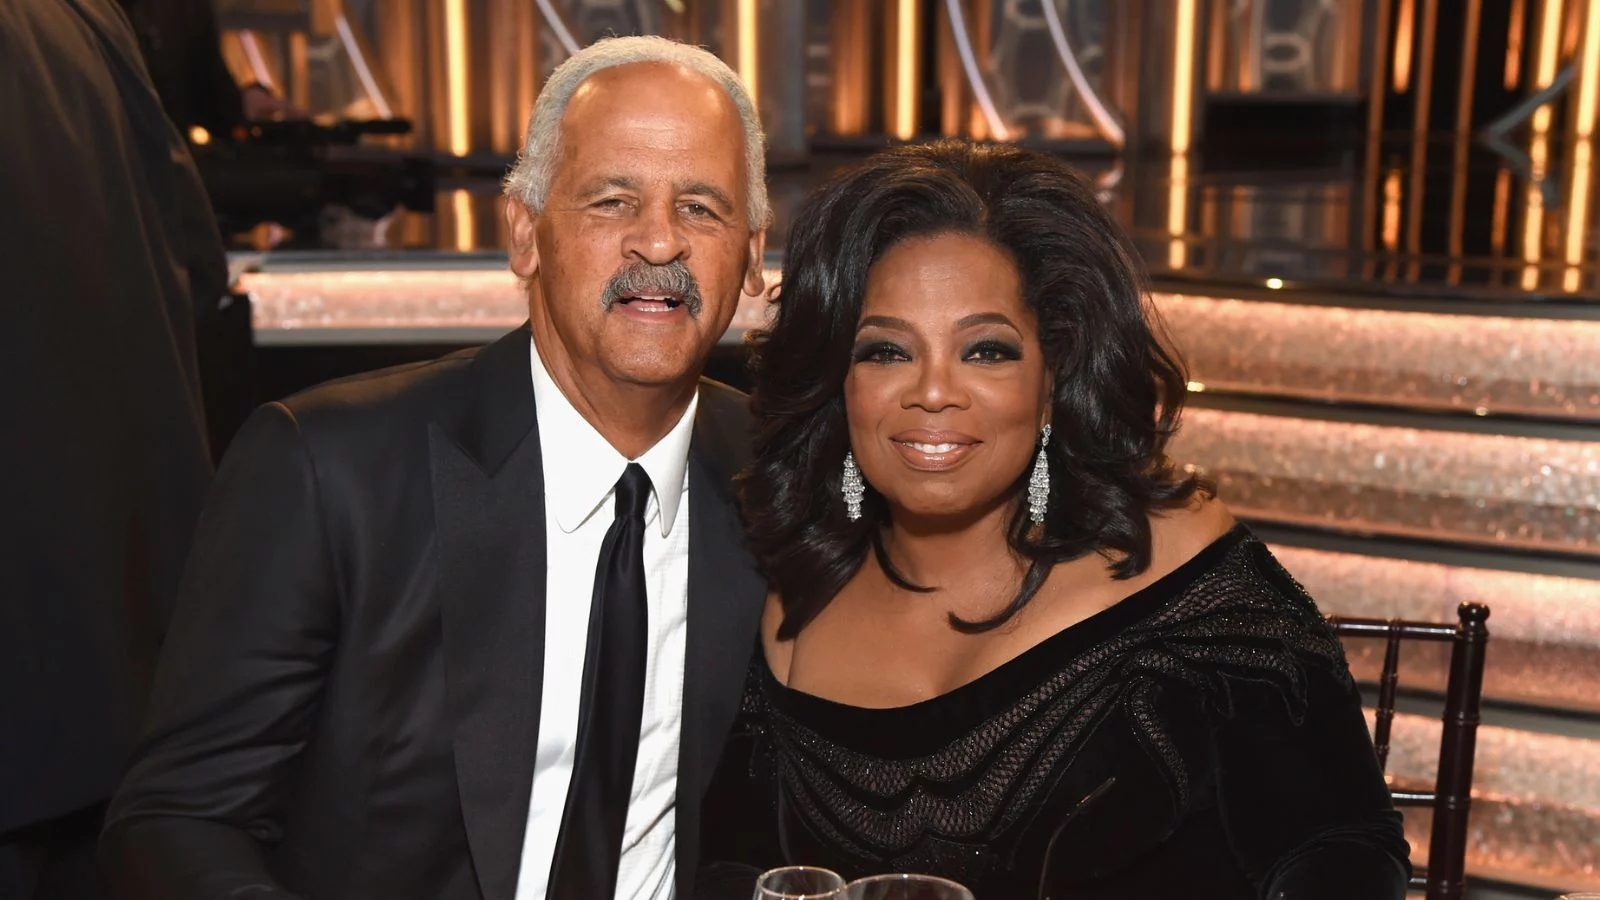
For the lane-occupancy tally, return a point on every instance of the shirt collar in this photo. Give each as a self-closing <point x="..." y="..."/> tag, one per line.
<point x="582" y="468"/>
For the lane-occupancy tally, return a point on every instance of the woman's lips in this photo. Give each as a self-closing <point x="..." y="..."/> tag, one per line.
<point x="933" y="451"/>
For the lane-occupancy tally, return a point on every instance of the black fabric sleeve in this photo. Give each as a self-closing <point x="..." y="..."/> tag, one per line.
<point x="1302" y="799"/>
<point x="238" y="684"/>
<point x="739" y="836"/>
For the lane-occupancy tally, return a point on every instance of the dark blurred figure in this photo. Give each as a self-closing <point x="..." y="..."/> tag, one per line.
<point x="182" y="49"/>
<point x="106" y="245"/>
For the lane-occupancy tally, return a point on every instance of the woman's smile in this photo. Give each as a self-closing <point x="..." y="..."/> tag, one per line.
<point x="934" y="451"/>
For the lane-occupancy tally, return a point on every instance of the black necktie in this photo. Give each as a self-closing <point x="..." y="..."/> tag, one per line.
<point x="590" y="845"/>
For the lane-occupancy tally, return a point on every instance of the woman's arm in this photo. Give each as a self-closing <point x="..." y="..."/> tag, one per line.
<point x="1303" y="800"/>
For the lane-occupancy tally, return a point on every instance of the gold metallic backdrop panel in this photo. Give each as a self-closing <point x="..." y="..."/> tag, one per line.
<point x="1545" y="648"/>
<point x="850" y="54"/>
<point x="1484" y="364"/>
<point x="449" y="299"/>
<point x="1536" y="801"/>
<point x="1021" y="51"/>
<point x="513" y="71"/>
<point x="444" y="298"/>
<point x="958" y="111"/>
<point x="1293" y="46"/>
<point x="467" y="71"/>
<point x="1474" y="488"/>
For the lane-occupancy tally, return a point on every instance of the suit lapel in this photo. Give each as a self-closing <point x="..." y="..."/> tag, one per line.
<point x="488" y="493"/>
<point x="725" y="599"/>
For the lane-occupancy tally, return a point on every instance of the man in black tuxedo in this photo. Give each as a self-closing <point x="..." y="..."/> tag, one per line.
<point x="107" y="253"/>
<point x="477" y="628"/>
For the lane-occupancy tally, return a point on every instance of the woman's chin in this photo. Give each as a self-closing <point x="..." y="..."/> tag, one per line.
<point x="931" y="515"/>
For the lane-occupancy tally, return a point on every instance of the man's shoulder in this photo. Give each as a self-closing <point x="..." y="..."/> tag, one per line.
<point x="723" y="429"/>
<point x="724" y="403"/>
<point x="384" y="391"/>
<point x="375" y="407"/>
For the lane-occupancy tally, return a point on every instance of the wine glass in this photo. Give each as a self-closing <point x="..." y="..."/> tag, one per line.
<point x="904" y="887"/>
<point x="798" y="883"/>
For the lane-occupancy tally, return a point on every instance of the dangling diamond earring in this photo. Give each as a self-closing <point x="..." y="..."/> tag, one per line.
<point x="1038" y="482"/>
<point x="854" y="488"/>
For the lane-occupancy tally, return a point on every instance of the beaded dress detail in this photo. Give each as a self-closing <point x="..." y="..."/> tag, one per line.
<point x="973" y="784"/>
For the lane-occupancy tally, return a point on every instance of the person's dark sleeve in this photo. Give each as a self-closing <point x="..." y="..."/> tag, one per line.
<point x="223" y="354"/>
<point x="1302" y="798"/>
<point x="238" y="684"/>
<point x="739" y="818"/>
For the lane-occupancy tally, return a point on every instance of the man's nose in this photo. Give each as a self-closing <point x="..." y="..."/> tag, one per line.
<point x="656" y="235"/>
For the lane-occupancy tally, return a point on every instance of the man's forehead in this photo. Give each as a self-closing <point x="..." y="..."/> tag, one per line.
<point x="696" y="114"/>
<point x="651" y="77"/>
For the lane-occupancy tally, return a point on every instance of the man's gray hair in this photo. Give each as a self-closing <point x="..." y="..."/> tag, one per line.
<point x="529" y="180"/>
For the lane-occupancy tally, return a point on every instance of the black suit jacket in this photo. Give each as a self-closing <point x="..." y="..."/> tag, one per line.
<point x="348" y="703"/>
<point x="106" y="247"/>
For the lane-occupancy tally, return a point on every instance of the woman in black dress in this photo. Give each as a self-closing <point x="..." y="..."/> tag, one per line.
<point x="1008" y="641"/>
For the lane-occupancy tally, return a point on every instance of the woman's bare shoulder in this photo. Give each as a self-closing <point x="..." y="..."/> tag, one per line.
<point x="1177" y="535"/>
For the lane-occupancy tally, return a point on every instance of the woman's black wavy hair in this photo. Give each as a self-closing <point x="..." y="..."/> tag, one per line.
<point x="1117" y="396"/>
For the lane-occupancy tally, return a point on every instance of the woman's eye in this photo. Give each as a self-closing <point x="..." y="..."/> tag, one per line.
<point x="994" y="351"/>
<point x="879" y="352"/>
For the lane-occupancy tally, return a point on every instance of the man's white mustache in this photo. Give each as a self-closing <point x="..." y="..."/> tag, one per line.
<point x="643" y="279"/>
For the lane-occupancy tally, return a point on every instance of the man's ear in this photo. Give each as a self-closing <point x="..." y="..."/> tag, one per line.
<point x="524" y="250"/>
<point x="755" y="280"/>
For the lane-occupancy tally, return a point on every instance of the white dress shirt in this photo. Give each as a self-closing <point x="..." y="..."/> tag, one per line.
<point x="580" y="475"/>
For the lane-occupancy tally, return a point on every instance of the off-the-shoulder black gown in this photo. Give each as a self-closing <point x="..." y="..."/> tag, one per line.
<point x="1217" y="698"/>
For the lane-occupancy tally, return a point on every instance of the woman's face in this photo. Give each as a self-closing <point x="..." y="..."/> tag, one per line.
<point x="948" y="387"/>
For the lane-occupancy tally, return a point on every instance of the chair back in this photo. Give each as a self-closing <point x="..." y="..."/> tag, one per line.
<point x="1444" y="878"/>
